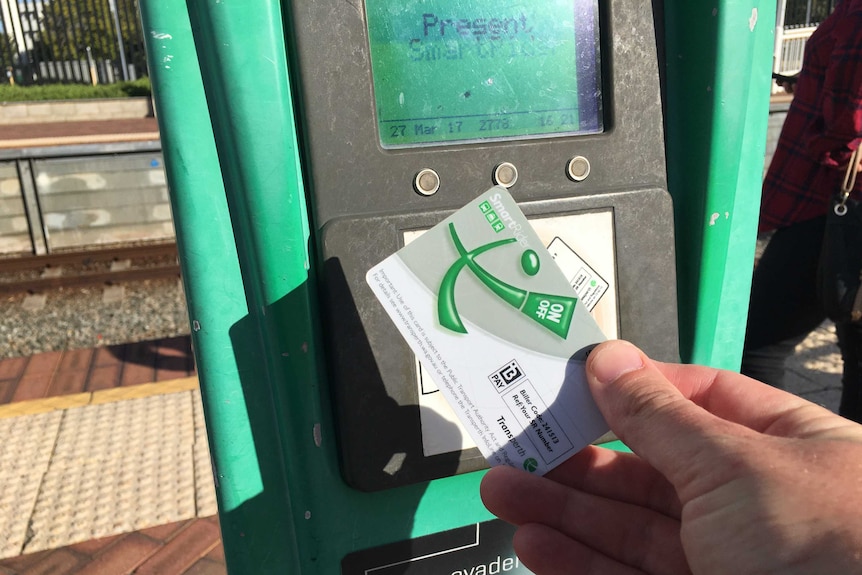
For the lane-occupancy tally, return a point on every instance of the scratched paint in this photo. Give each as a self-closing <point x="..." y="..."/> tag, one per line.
<point x="716" y="216"/>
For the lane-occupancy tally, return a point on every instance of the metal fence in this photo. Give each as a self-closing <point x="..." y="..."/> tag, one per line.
<point x="796" y="20"/>
<point x="70" y="197"/>
<point x="70" y="41"/>
<point x="792" y="47"/>
<point x="803" y="13"/>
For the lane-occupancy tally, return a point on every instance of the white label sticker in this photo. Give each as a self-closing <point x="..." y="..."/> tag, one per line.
<point x="587" y="283"/>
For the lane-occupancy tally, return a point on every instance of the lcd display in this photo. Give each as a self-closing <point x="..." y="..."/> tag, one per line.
<point x="475" y="70"/>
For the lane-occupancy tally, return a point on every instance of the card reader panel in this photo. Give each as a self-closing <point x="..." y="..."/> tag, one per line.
<point x="379" y="414"/>
<point x="366" y="191"/>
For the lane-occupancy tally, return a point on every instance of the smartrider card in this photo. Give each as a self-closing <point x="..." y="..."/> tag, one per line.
<point x="499" y="328"/>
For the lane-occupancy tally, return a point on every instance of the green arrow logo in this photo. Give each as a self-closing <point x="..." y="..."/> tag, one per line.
<point x="531" y="464"/>
<point x="552" y="312"/>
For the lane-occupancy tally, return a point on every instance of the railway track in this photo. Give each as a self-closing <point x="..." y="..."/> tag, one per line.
<point x="34" y="274"/>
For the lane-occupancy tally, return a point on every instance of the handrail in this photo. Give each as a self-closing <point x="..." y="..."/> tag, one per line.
<point x="33" y="223"/>
<point x="69" y="150"/>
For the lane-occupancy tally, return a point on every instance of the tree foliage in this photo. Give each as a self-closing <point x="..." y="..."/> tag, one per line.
<point x="7" y="55"/>
<point x="807" y="12"/>
<point x="68" y="27"/>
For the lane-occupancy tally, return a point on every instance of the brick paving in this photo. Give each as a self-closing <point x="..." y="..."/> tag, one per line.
<point x="191" y="547"/>
<point x="23" y="135"/>
<point x="56" y="373"/>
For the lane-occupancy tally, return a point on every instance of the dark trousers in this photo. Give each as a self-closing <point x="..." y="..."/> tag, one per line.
<point x="784" y="309"/>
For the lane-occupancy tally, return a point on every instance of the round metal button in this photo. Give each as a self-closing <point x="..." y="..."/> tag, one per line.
<point x="505" y="174"/>
<point x="426" y="182"/>
<point x="578" y="169"/>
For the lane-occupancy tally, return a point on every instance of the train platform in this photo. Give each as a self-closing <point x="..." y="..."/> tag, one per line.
<point x="13" y="136"/>
<point x="105" y="464"/>
<point x="106" y="469"/>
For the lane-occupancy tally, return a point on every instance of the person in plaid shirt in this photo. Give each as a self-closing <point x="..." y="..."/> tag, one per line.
<point x="822" y="128"/>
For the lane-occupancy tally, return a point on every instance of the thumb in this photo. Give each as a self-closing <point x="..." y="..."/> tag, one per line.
<point x="650" y="415"/>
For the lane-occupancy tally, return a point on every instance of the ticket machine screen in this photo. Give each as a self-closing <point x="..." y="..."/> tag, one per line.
<point x="479" y="70"/>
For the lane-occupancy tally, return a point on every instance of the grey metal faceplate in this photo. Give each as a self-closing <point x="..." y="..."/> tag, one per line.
<point x="351" y="174"/>
<point x="362" y="201"/>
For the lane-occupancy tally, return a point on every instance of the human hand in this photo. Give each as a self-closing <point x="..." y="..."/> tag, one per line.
<point x="786" y="82"/>
<point x="730" y="476"/>
<point x="788" y="87"/>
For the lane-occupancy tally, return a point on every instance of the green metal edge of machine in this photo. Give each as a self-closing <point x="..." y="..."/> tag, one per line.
<point x="222" y="87"/>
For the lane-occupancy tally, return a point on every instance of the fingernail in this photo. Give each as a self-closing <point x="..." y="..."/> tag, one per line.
<point x="614" y="359"/>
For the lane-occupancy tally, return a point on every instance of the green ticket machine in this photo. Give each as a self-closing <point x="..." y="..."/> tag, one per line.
<point x="307" y="141"/>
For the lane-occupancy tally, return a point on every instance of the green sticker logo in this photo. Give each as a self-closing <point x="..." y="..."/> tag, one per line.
<point x="531" y="464"/>
<point x="492" y="217"/>
<point x="553" y="312"/>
